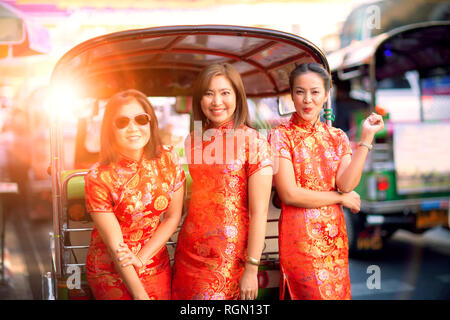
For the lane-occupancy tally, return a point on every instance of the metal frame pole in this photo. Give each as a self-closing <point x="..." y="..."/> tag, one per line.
<point x="56" y="161"/>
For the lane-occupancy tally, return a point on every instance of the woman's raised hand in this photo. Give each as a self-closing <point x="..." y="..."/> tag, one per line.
<point x="371" y="125"/>
<point x="352" y="201"/>
<point x="127" y="257"/>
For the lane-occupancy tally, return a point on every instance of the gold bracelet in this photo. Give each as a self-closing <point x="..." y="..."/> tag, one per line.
<point x="253" y="261"/>
<point x="368" y="146"/>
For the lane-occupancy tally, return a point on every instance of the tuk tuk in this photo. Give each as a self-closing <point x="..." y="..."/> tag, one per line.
<point x="162" y="62"/>
<point x="403" y="74"/>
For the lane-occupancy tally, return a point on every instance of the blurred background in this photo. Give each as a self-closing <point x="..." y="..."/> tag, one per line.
<point x="35" y="34"/>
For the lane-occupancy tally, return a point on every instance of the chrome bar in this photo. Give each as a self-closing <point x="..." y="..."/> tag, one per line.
<point x="74" y="264"/>
<point x="48" y="288"/>
<point x="76" y="247"/>
<point x="78" y="229"/>
<point x="55" y="161"/>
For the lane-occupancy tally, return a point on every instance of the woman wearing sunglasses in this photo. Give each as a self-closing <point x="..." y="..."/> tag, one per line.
<point x="135" y="183"/>
<point x="222" y="237"/>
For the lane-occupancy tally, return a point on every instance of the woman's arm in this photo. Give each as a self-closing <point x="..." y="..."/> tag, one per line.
<point x="350" y="169"/>
<point x="293" y="195"/>
<point x="111" y="234"/>
<point x="259" y="188"/>
<point x="166" y="228"/>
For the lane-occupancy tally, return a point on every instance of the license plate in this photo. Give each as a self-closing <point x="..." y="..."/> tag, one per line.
<point x="432" y="218"/>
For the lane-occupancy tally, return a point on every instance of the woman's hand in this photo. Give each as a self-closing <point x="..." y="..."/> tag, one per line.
<point x="248" y="285"/>
<point x="127" y="258"/>
<point x="352" y="201"/>
<point x="371" y="125"/>
<point x="141" y="297"/>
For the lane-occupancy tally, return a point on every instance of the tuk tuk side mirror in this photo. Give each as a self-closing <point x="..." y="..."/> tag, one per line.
<point x="285" y="105"/>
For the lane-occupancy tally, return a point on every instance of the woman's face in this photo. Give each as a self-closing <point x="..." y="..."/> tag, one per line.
<point x="219" y="101"/>
<point x="130" y="130"/>
<point x="309" y="95"/>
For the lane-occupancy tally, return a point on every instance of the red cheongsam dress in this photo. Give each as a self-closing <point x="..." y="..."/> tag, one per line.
<point x="313" y="242"/>
<point x="138" y="193"/>
<point x="212" y="245"/>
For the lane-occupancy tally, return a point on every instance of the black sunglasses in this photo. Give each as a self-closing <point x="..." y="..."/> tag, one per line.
<point x="140" y="119"/>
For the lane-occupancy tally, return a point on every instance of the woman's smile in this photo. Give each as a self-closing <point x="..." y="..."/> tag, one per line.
<point x="130" y="140"/>
<point x="219" y="101"/>
<point x="134" y="137"/>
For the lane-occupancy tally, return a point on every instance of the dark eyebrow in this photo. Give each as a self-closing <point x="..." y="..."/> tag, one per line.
<point x="298" y="87"/>
<point x="223" y="89"/>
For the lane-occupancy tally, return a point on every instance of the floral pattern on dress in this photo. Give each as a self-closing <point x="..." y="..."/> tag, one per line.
<point x="313" y="243"/>
<point x="211" y="250"/>
<point x="138" y="193"/>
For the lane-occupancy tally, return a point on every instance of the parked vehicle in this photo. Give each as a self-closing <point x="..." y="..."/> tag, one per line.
<point x="374" y="17"/>
<point x="403" y="74"/>
<point x="162" y="62"/>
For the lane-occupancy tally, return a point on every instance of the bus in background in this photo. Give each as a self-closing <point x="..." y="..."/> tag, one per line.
<point x="376" y="17"/>
<point x="404" y="75"/>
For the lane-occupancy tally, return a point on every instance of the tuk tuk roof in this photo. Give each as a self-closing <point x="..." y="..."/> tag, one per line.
<point x="164" y="61"/>
<point x="418" y="46"/>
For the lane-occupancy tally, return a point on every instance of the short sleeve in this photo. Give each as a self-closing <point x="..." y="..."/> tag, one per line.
<point x="259" y="154"/>
<point x="97" y="194"/>
<point x="344" y="146"/>
<point x="180" y="176"/>
<point x="279" y="143"/>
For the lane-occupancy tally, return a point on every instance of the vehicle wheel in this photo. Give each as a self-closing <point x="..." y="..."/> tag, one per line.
<point x="354" y="224"/>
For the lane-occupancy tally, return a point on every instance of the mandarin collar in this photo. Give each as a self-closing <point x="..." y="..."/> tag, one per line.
<point x="125" y="161"/>
<point x="225" y="125"/>
<point x="212" y="131"/>
<point x="303" y="124"/>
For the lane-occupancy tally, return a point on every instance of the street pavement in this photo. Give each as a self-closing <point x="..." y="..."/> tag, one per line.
<point x="410" y="267"/>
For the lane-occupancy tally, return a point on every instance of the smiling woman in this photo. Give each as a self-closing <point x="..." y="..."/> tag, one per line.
<point x="219" y="101"/>
<point x="137" y="181"/>
<point x="222" y="236"/>
<point x="139" y="135"/>
<point x="131" y="130"/>
<point x="221" y="96"/>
